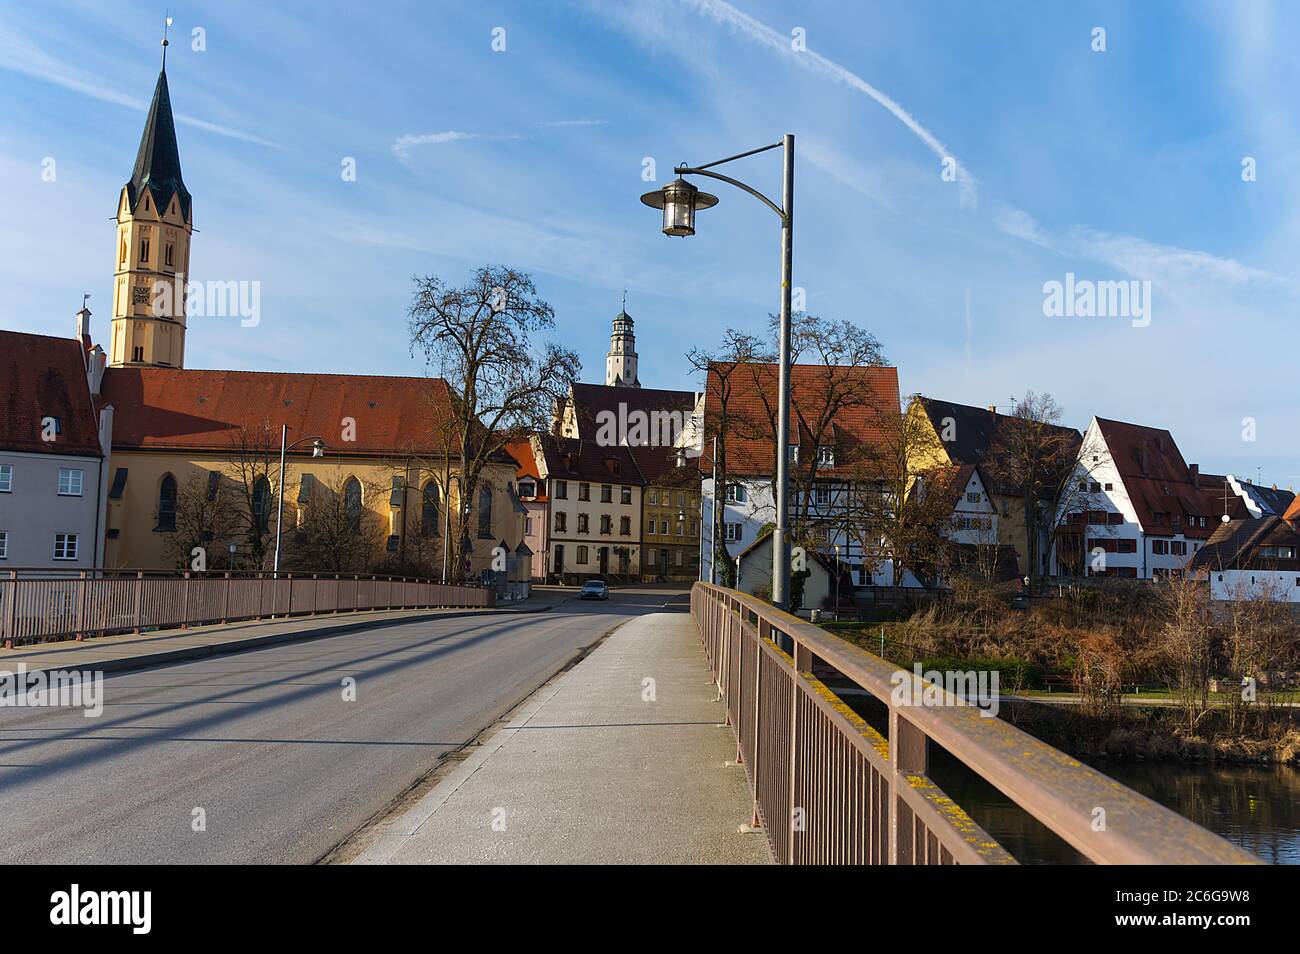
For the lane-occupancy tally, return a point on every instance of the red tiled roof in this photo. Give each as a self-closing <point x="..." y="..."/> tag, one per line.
<point x="521" y="449"/>
<point x="205" y="410"/>
<point x="1292" y="515"/>
<point x="870" y="419"/>
<point x="42" y="376"/>
<point x="590" y="400"/>
<point x="1158" y="481"/>
<point x="572" y="458"/>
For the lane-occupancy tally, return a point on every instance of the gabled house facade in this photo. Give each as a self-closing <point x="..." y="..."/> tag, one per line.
<point x="832" y="459"/>
<point x="1149" y="512"/>
<point x="944" y="434"/>
<point x="55" y="433"/>
<point x="531" y="490"/>
<point x="595" y="496"/>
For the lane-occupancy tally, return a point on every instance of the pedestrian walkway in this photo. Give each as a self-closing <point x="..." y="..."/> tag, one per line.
<point x="137" y="650"/>
<point x="622" y="759"/>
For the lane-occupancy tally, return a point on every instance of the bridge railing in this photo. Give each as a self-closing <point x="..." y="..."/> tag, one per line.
<point x="41" y="605"/>
<point x="830" y="789"/>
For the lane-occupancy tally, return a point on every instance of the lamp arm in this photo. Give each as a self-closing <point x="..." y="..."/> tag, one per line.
<point x="689" y="171"/>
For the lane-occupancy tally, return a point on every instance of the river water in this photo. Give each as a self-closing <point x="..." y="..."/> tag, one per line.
<point x="1256" y="807"/>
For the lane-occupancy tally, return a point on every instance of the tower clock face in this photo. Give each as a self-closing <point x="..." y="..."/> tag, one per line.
<point x="139" y="295"/>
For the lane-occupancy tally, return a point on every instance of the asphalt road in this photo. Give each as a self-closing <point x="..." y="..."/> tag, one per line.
<point x="263" y="742"/>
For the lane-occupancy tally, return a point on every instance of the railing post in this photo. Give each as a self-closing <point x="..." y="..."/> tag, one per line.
<point x="81" y="607"/>
<point x="185" y="602"/>
<point x="802" y="660"/>
<point x="907" y="756"/>
<point x="139" y="597"/>
<point x="288" y="611"/>
<point x="11" y="611"/>
<point x="755" y="762"/>
<point x="225" y="612"/>
<point x="261" y="590"/>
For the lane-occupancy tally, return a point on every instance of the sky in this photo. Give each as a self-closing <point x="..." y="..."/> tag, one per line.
<point x="952" y="161"/>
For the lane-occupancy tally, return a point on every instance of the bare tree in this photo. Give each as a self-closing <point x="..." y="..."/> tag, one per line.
<point x="1033" y="455"/>
<point x="254" y="470"/>
<point x="205" y="517"/>
<point x="719" y="367"/>
<point x="1185" y="641"/>
<point x="480" y="337"/>
<point x="899" y="516"/>
<point x="335" y="532"/>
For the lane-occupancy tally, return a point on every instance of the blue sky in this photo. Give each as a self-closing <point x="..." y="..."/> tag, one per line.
<point x="1117" y="165"/>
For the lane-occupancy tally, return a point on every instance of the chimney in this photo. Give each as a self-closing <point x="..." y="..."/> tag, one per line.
<point x="83" y="326"/>
<point x="96" y="362"/>
<point x="1195" y="471"/>
<point x="993" y="409"/>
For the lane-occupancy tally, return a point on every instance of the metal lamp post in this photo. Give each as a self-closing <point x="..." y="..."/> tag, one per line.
<point x="317" y="450"/>
<point x="679" y="201"/>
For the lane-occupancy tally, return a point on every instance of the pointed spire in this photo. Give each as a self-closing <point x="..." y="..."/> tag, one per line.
<point x="158" y="163"/>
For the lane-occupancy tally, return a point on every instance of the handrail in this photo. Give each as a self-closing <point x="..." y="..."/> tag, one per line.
<point x="839" y="763"/>
<point x="84" y="603"/>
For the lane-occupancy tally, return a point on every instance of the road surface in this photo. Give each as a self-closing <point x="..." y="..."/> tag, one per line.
<point x="261" y="752"/>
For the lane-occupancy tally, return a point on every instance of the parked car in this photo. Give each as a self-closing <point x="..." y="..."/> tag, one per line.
<point x="594" y="589"/>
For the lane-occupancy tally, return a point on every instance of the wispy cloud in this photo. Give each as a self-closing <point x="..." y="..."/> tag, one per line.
<point x="754" y="30"/>
<point x="557" y="123"/>
<point x="20" y="56"/>
<point x="404" y="144"/>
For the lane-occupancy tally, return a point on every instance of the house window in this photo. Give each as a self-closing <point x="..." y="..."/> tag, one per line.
<point x="560" y="521"/>
<point x="794" y="453"/>
<point x="974" y="497"/>
<point x="262" y="504"/>
<point x="625" y="526"/>
<point x="606" y="493"/>
<point x="65" y="546"/>
<point x="606" y="523"/>
<point x="652" y="497"/>
<point x="6" y="478"/>
<point x="584" y="524"/>
<point x="144" y="249"/>
<point x="528" y="526"/>
<point x="625" y="495"/>
<point x="137" y="353"/>
<point x="4" y="544"/>
<point x="822" y="495"/>
<point x="825" y="456"/>
<point x="429" y="510"/>
<point x="561" y="490"/>
<point x="681" y="529"/>
<point x="485" y="513"/>
<point x="733" y="532"/>
<point x="1160" y="547"/>
<point x="584" y="491"/>
<point x="167" y="503"/>
<point x="652" y="558"/>
<point x="736" y="493"/>
<point x="1178" y="547"/>
<point x="581" y="558"/>
<point x="351" y="503"/>
<point x="527" y="488"/>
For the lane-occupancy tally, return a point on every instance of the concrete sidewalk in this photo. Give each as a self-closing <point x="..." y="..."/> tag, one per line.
<point x="598" y="766"/>
<point x="136" y="651"/>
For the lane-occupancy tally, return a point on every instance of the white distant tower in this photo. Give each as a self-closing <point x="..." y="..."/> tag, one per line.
<point x="620" y="362"/>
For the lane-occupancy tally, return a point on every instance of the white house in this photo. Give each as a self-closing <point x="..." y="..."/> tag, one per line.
<point x="54" y="444"/>
<point x="1254" y="558"/>
<point x="1136" y="509"/>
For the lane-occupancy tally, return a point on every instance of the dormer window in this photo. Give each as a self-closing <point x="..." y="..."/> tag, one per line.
<point x="825" y="455"/>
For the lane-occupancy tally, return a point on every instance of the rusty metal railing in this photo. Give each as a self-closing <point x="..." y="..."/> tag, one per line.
<point x="39" y="606"/>
<point x="830" y="789"/>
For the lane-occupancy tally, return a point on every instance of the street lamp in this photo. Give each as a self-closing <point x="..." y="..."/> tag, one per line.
<point x="317" y="450"/>
<point x="679" y="201"/>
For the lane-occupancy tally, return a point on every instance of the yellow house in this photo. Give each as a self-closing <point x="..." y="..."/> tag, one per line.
<point x="943" y="434"/>
<point x="195" y="464"/>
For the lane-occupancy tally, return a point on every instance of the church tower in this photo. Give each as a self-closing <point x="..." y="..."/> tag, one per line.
<point x="154" y="225"/>
<point x="620" y="362"/>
